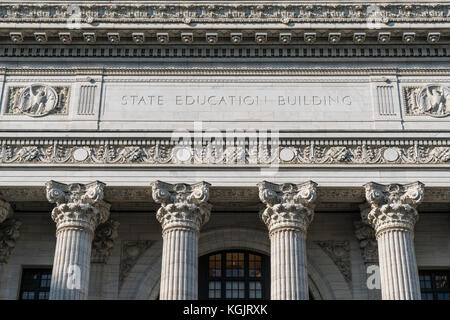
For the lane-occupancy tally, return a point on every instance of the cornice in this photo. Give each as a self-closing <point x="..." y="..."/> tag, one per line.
<point x="224" y="71"/>
<point x="211" y="23"/>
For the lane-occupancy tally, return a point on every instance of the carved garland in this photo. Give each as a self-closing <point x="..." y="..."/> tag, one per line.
<point x="218" y="13"/>
<point x="165" y="152"/>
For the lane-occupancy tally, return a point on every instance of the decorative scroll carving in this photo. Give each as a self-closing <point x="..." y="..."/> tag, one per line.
<point x="131" y="252"/>
<point x="339" y="252"/>
<point x="288" y="152"/>
<point x="5" y="210"/>
<point x="182" y="205"/>
<point x="78" y="205"/>
<point x="9" y="233"/>
<point x="288" y="205"/>
<point x="37" y="100"/>
<point x="394" y="206"/>
<point x="365" y="234"/>
<point x="187" y="13"/>
<point x="431" y="100"/>
<point x="103" y="243"/>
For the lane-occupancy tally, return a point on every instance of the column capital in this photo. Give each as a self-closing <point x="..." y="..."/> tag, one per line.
<point x="5" y="210"/>
<point x="104" y="237"/>
<point x="182" y="205"/>
<point x="288" y="205"/>
<point x="9" y="233"/>
<point x="78" y="205"/>
<point x="393" y="206"/>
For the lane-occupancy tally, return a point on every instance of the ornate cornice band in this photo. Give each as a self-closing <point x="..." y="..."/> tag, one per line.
<point x="165" y="152"/>
<point x="190" y="12"/>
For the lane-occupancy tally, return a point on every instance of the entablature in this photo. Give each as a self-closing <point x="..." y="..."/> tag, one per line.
<point x="213" y="23"/>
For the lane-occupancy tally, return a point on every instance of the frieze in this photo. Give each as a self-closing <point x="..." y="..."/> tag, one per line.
<point x="164" y="152"/>
<point x="430" y="100"/>
<point x="188" y="13"/>
<point x="219" y="195"/>
<point x="37" y="100"/>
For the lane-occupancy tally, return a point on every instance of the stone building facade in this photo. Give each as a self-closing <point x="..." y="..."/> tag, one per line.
<point x="223" y="149"/>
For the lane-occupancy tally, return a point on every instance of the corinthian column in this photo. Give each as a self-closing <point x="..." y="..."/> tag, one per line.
<point x="184" y="209"/>
<point x="393" y="216"/>
<point x="288" y="213"/>
<point x="79" y="209"/>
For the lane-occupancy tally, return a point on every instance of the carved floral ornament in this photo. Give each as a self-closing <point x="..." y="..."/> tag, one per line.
<point x="394" y="206"/>
<point x="5" y="210"/>
<point x="105" y="236"/>
<point x="165" y="152"/>
<point x="182" y="205"/>
<point x="9" y="233"/>
<point x="288" y="205"/>
<point x="37" y="100"/>
<point x="431" y="100"/>
<point x="77" y="205"/>
<point x="190" y="12"/>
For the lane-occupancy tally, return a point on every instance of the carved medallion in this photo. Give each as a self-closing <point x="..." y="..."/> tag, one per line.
<point x="432" y="100"/>
<point x="37" y="100"/>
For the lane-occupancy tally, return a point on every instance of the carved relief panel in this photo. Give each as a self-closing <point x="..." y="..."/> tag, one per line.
<point x="37" y="100"/>
<point x="430" y="100"/>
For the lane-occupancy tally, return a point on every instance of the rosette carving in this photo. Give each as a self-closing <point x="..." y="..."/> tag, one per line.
<point x="78" y="205"/>
<point x="288" y="205"/>
<point x="394" y="206"/>
<point x="182" y="205"/>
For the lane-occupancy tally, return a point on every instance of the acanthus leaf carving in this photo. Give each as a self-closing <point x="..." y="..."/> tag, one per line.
<point x="9" y="233"/>
<point x="77" y="205"/>
<point x="288" y="205"/>
<point x="394" y="206"/>
<point x="103" y="243"/>
<point x="182" y="205"/>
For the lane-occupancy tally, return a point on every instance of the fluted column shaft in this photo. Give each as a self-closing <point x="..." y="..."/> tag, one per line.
<point x="78" y="211"/>
<point x="289" y="274"/>
<point x="70" y="275"/>
<point x="184" y="209"/>
<point x="288" y="213"/>
<point x="393" y="216"/>
<point x="179" y="265"/>
<point x="398" y="268"/>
